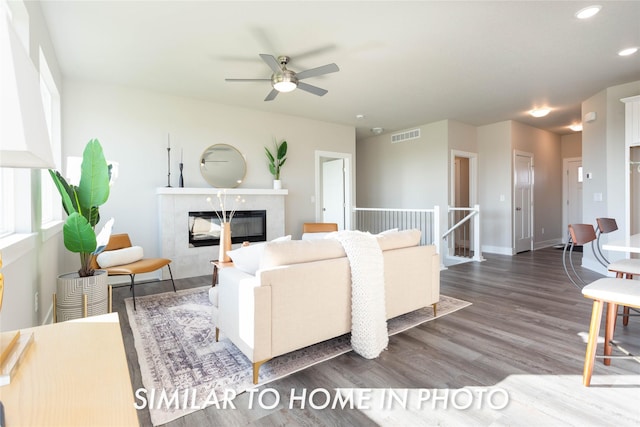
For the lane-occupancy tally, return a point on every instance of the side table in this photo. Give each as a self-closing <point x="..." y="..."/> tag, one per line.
<point x="218" y="265"/>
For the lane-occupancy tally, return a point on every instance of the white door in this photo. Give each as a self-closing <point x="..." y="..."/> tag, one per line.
<point x="333" y="192"/>
<point x="573" y="194"/>
<point x="522" y="200"/>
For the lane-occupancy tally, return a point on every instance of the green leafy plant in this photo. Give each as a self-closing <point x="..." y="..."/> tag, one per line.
<point x="81" y="205"/>
<point x="277" y="158"/>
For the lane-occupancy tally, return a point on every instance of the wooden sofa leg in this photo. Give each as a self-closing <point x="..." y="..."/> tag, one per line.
<point x="435" y="309"/>
<point x="256" y="369"/>
<point x="217" y="334"/>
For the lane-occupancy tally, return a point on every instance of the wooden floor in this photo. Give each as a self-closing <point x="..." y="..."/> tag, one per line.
<point x="523" y="328"/>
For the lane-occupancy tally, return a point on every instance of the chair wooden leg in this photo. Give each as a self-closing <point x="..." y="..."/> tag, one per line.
<point x="610" y="326"/>
<point x="592" y="342"/>
<point x="217" y="334"/>
<point x="625" y="311"/>
<point x="625" y="316"/>
<point x="435" y="309"/>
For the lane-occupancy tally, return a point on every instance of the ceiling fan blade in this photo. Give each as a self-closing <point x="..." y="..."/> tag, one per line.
<point x="312" y="89"/>
<point x="247" y="80"/>
<point x="271" y="62"/>
<point x="272" y="95"/>
<point x="313" y="72"/>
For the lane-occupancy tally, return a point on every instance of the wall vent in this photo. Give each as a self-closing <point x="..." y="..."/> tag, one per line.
<point x="405" y="136"/>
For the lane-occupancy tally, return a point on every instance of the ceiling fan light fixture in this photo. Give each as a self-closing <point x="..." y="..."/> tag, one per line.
<point x="540" y="112"/>
<point x="285" y="81"/>
<point x="588" y="12"/>
<point x="628" y="51"/>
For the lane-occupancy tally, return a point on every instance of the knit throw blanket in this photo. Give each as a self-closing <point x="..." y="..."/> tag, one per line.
<point x="369" y="335"/>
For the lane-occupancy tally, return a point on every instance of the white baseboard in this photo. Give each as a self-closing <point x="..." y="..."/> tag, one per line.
<point x="500" y="250"/>
<point x="546" y="243"/>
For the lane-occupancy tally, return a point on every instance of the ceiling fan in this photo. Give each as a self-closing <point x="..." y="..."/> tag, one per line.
<point x="285" y="80"/>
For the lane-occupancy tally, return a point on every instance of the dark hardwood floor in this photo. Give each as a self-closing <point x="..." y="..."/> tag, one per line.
<point x="524" y="325"/>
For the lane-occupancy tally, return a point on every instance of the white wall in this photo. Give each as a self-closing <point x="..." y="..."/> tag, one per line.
<point x="571" y="145"/>
<point x="133" y="124"/>
<point x="547" y="197"/>
<point x="603" y="156"/>
<point x="405" y="175"/>
<point x="495" y="187"/>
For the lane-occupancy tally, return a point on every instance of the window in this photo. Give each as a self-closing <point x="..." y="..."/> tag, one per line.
<point x="51" y="103"/>
<point x="7" y="208"/>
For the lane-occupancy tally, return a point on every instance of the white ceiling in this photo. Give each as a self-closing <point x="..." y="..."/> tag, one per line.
<point x="402" y="64"/>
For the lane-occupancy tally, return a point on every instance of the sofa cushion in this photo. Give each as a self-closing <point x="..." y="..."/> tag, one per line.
<point x="299" y="251"/>
<point x="399" y="239"/>
<point x="120" y="256"/>
<point x="247" y="258"/>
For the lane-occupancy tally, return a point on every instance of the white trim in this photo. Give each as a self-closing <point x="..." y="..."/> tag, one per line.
<point x="531" y="200"/>
<point x="565" y="194"/>
<point x="349" y="189"/>
<point x="16" y="246"/>
<point x="500" y="250"/>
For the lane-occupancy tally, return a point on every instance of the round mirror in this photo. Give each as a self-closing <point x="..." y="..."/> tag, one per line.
<point x="222" y="166"/>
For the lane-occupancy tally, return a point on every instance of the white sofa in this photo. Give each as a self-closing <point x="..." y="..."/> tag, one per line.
<point x="300" y="293"/>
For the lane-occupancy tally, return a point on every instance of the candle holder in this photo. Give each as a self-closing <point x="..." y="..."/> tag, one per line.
<point x="168" y="166"/>
<point x="181" y="180"/>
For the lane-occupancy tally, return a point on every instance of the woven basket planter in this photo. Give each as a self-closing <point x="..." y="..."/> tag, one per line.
<point x="69" y="298"/>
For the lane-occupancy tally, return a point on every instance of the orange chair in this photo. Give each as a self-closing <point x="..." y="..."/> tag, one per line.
<point x="144" y="265"/>
<point x="319" y="227"/>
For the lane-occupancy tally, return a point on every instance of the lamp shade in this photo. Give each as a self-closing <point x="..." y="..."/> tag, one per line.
<point x="285" y="81"/>
<point x="24" y="138"/>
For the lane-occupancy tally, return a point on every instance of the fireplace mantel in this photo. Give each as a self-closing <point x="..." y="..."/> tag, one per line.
<point x="177" y="191"/>
<point x="174" y="205"/>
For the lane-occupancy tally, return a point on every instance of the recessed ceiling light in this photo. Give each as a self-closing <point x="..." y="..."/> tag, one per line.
<point x="588" y="12"/>
<point x="360" y="116"/>
<point x="576" y="127"/>
<point x="539" y="112"/>
<point x="628" y="51"/>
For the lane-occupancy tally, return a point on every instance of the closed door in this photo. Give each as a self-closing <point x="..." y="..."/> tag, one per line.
<point x="333" y="192"/>
<point x="522" y="215"/>
<point x="573" y="204"/>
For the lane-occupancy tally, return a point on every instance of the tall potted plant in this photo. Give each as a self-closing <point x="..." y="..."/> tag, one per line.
<point x="276" y="161"/>
<point x="81" y="203"/>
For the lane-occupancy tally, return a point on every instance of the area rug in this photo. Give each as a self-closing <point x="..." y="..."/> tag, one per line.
<point x="184" y="369"/>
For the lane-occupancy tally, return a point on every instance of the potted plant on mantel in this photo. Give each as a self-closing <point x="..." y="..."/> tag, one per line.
<point x="81" y="204"/>
<point x="276" y="161"/>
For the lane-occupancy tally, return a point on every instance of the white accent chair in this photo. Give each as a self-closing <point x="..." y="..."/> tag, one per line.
<point x="614" y="292"/>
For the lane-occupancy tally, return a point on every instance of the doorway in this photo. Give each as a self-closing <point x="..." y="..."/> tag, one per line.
<point x="523" y="201"/>
<point x="333" y="188"/>
<point x="462" y="195"/>
<point x="571" y="194"/>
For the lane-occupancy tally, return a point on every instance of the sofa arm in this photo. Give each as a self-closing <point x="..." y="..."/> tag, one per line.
<point x="244" y="312"/>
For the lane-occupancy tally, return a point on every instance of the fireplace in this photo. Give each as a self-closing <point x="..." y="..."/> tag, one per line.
<point x="246" y="226"/>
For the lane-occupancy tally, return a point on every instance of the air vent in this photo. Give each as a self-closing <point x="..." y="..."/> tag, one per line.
<point x="405" y="136"/>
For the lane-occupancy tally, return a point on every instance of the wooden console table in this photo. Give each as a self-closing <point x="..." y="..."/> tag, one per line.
<point x="73" y="374"/>
<point x="218" y="265"/>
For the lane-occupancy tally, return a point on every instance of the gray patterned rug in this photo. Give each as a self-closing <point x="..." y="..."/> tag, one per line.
<point x="184" y="367"/>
